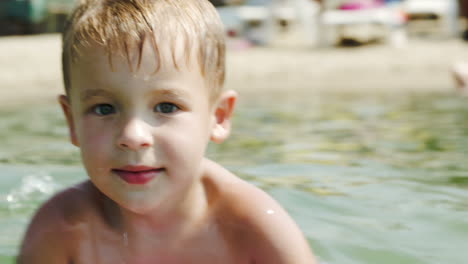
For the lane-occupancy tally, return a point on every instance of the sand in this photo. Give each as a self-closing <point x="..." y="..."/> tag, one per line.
<point x="30" y="68"/>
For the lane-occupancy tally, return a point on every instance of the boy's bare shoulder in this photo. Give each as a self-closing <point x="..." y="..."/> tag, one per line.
<point x="239" y="197"/>
<point x="271" y="234"/>
<point x="56" y="224"/>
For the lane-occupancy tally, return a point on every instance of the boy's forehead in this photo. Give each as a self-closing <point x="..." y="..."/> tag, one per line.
<point x="145" y="56"/>
<point x="97" y="67"/>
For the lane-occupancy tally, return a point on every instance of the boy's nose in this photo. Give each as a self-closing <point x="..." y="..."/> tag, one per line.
<point x="135" y="134"/>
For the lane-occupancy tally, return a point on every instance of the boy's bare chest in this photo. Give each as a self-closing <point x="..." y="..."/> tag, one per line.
<point x="111" y="248"/>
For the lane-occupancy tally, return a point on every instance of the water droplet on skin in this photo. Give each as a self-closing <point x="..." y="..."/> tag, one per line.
<point x="125" y="239"/>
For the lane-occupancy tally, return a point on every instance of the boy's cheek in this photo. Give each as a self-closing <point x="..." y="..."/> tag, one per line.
<point x="93" y="138"/>
<point x="179" y="145"/>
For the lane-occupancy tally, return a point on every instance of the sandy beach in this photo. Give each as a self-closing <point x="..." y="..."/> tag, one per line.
<point x="30" y="68"/>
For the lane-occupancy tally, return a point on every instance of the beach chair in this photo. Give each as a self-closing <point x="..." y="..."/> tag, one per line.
<point x="388" y="17"/>
<point x="446" y="11"/>
<point x="259" y="23"/>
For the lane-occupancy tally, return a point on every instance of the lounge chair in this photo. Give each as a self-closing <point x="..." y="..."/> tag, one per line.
<point x="446" y="12"/>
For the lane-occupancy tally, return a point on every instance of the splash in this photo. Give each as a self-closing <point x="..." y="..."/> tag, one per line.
<point x="32" y="189"/>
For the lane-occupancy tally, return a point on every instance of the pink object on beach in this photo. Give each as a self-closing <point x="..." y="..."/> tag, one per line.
<point x="361" y="4"/>
<point x="460" y="72"/>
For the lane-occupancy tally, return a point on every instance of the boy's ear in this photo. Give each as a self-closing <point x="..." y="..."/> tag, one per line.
<point x="223" y="111"/>
<point x="67" y="111"/>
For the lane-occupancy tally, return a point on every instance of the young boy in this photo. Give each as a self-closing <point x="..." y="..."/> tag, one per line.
<point x="143" y="83"/>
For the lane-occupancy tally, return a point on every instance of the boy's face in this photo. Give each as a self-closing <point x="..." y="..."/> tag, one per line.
<point x="142" y="134"/>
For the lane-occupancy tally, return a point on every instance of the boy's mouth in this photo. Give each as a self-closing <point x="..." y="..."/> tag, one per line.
<point x="137" y="174"/>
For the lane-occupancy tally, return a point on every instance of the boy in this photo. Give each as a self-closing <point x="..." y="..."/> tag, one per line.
<point x="143" y="98"/>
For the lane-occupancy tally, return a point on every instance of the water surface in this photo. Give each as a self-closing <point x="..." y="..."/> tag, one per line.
<point x="370" y="178"/>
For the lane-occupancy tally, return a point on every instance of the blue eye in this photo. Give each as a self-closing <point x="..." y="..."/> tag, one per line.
<point x="103" y="109"/>
<point x="166" y="108"/>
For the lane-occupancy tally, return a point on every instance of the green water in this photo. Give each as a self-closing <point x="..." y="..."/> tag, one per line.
<point x="369" y="178"/>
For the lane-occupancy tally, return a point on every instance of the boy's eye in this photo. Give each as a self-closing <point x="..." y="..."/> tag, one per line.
<point x="104" y="109"/>
<point x="166" y="108"/>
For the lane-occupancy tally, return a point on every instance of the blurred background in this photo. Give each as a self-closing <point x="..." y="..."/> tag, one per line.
<point x="352" y="114"/>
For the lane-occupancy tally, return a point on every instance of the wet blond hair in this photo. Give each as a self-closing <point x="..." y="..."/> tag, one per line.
<point x="122" y="25"/>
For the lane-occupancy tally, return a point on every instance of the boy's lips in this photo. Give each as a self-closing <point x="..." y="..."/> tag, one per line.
<point x="137" y="174"/>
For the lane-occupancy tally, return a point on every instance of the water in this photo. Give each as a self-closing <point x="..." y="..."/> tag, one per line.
<point x="369" y="178"/>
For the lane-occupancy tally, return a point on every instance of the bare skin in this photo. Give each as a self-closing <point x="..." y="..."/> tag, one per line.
<point x="152" y="197"/>
<point x="240" y="225"/>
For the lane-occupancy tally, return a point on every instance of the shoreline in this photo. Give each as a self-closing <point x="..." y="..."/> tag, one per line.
<point x="31" y="70"/>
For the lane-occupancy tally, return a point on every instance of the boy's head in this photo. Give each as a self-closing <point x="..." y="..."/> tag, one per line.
<point x="143" y="81"/>
<point x="122" y="27"/>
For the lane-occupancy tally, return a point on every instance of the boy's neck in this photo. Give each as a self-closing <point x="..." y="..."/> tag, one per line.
<point x="177" y="217"/>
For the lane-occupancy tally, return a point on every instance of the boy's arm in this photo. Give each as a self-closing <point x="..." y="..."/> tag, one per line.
<point x="276" y="239"/>
<point x="45" y="241"/>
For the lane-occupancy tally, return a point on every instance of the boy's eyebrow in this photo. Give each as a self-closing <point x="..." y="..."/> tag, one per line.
<point x="167" y="91"/>
<point x="93" y="92"/>
<point x="170" y="91"/>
